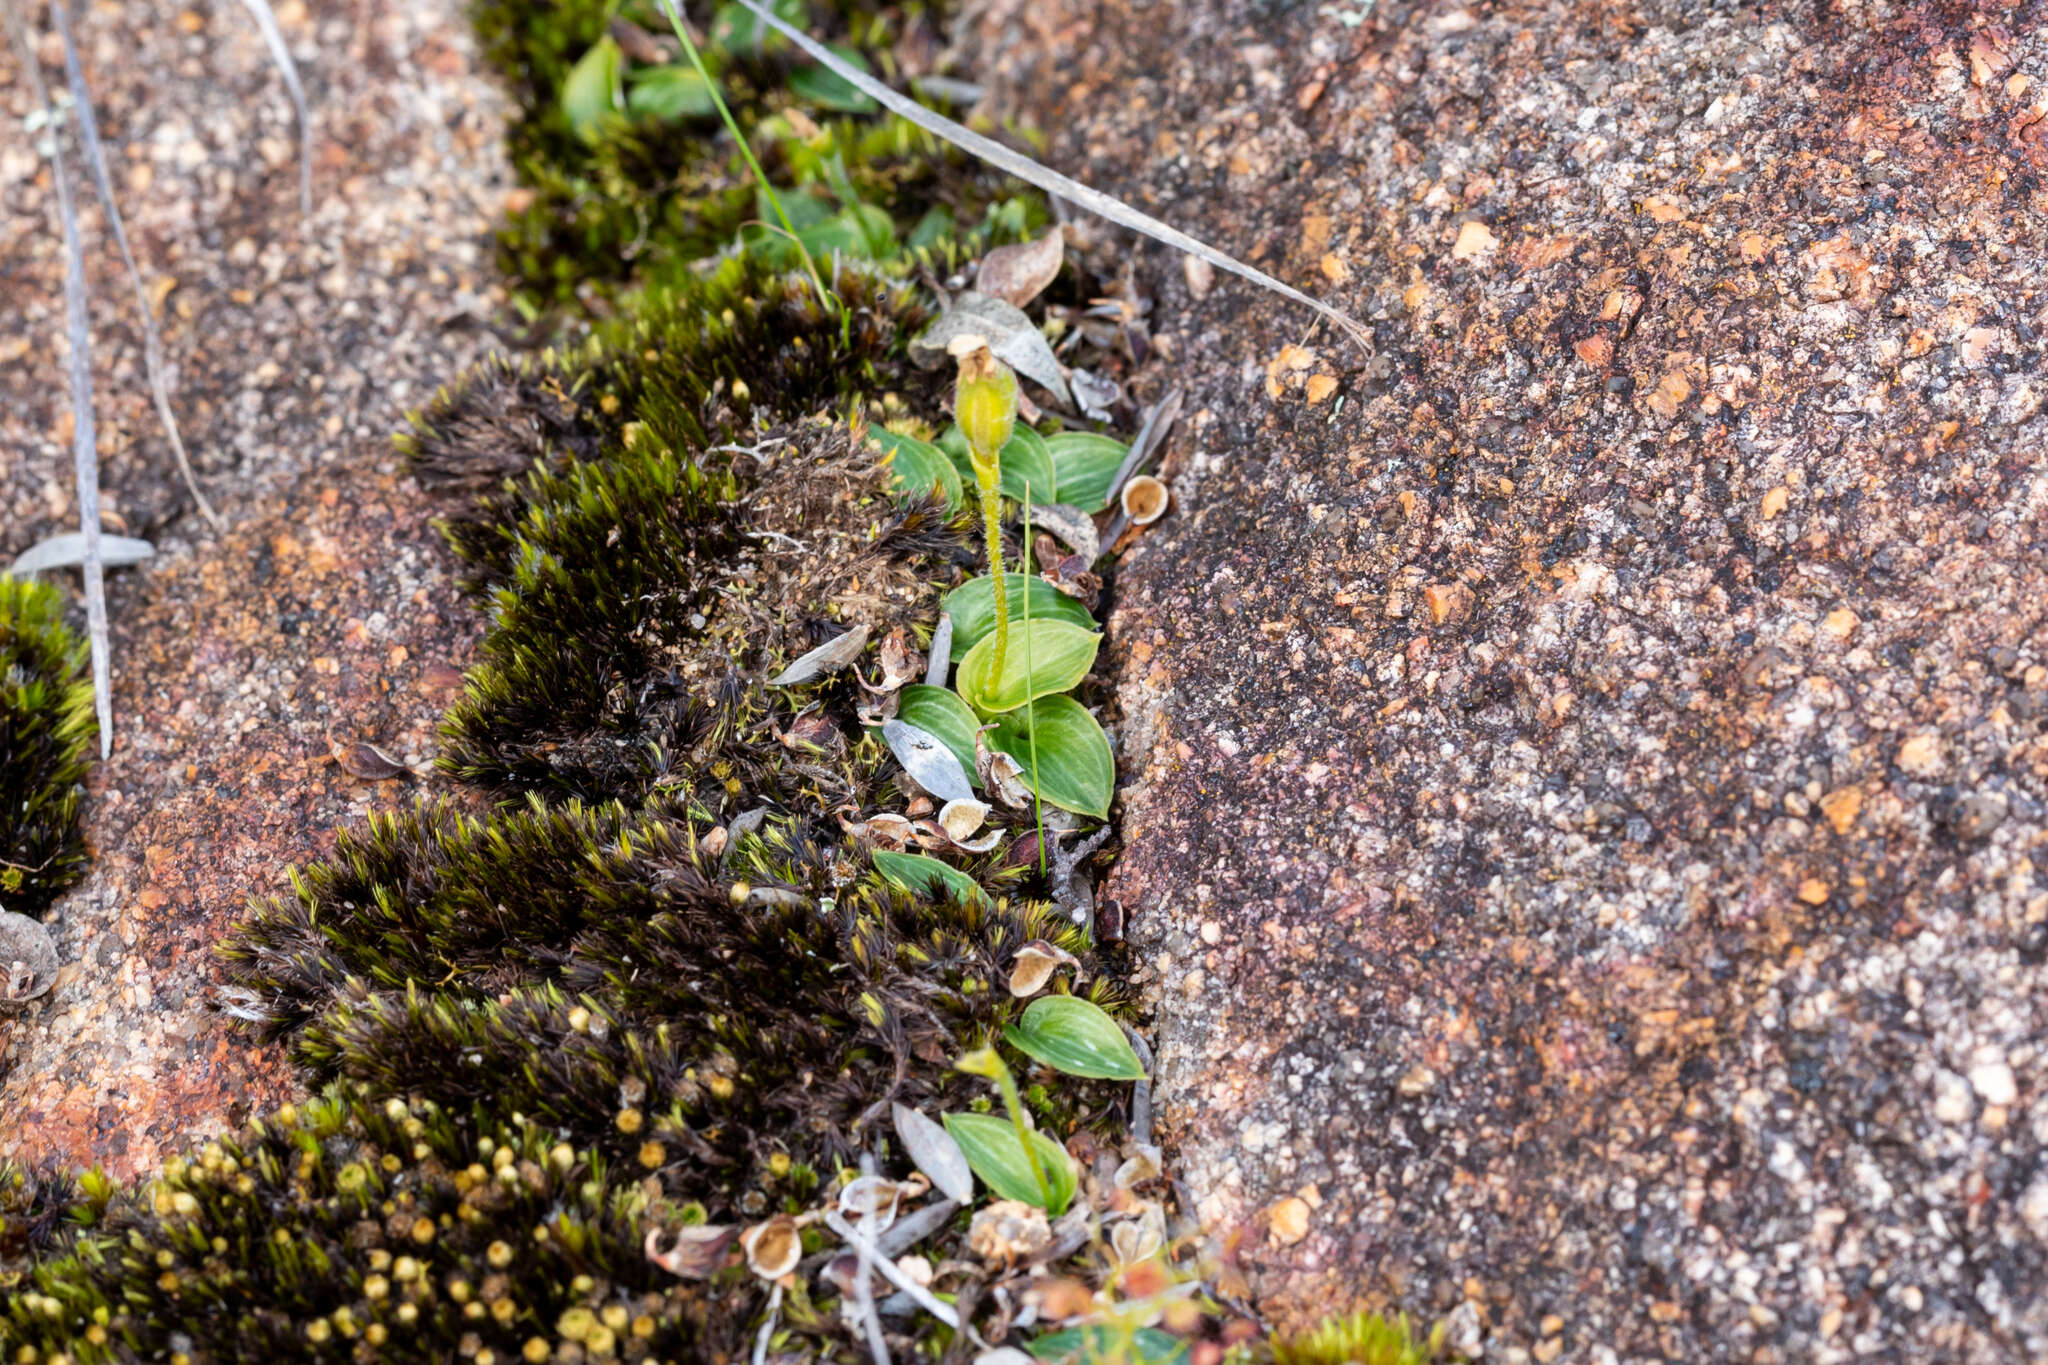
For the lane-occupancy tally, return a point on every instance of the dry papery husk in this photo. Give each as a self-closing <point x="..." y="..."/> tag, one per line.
<point x="1144" y="500"/>
<point x="773" y="1248"/>
<point x="1035" y="965"/>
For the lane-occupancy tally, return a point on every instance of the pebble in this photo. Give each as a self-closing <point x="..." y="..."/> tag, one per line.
<point x="1993" y="1081"/>
<point x="1952" y="1102"/>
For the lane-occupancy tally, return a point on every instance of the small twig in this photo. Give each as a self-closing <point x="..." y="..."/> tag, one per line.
<point x="1141" y="1093"/>
<point x="912" y="1228"/>
<point x="864" y="1296"/>
<point x="767" y="1326"/>
<point x="1159" y="420"/>
<point x="875" y="1259"/>
<point x="288" y="70"/>
<point x="152" y="344"/>
<point x="1047" y="179"/>
<point x="84" y="444"/>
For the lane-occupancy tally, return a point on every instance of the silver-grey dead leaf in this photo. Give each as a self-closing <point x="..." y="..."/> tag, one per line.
<point x="1071" y="525"/>
<point x="28" y="958"/>
<point x="928" y="761"/>
<point x="67" y="551"/>
<point x="1010" y="335"/>
<point x="1018" y="274"/>
<point x="932" y="1150"/>
<point x="941" y="651"/>
<point x="827" y="658"/>
<point x="1096" y="394"/>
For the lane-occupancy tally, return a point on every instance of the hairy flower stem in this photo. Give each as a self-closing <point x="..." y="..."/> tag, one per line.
<point x="987" y="1062"/>
<point x="990" y="517"/>
<point x="985" y="405"/>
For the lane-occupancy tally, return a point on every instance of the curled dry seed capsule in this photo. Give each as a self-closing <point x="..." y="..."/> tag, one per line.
<point x="697" y="1252"/>
<point x="870" y="1202"/>
<point x="1144" y="500"/>
<point x="1143" y="1165"/>
<point x="888" y="831"/>
<point x="900" y="662"/>
<point x="1000" y="774"/>
<point x="1008" y="1231"/>
<point x="1036" y="962"/>
<point x="1134" y="1242"/>
<point x="961" y="818"/>
<point x="841" y="1273"/>
<point x="773" y="1248"/>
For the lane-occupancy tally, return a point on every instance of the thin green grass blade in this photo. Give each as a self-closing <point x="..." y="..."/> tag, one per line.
<point x="1037" y="801"/>
<point x="675" y="21"/>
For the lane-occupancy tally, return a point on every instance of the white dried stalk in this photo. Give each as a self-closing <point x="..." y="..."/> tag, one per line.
<point x="84" y="444"/>
<point x="281" y="55"/>
<point x="152" y="345"/>
<point x="1047" y="179"/>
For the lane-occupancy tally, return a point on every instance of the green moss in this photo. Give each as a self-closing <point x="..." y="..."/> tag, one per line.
<point x="609" y="1003"/>
<point x="39" y="1208"/>
<point x="46" y="733"/>
<point x="570" y="964"/>
<point x="347" y="1229"/>
<point x="635" y="192"/>
<point x="695" y="514"/>
<point x="1358" y="1339"/>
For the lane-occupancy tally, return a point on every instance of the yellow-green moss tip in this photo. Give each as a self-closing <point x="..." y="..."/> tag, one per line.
<point x="46" y="737"/>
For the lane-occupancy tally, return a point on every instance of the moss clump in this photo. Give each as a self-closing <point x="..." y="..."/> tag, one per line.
<point x="46" y="732"/>
<point x="351" y="1230"/>
<point x="1358" y="1339"/>
<point x="39" y="1207"/>
<point x="629" y="176"/>
<point x="696" y="507"/>
<point x="603" y="975"/>
<point x="691" y="368"/>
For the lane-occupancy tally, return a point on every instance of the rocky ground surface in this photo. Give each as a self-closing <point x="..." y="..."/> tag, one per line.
<point x="1587" y="771"/>
<point x="1587" y="823"/>
<point x="324" y="619"/>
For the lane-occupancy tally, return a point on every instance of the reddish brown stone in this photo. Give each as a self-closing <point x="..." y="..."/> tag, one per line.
<point x="326" y="615"/>
<point x="1595" y="954"/>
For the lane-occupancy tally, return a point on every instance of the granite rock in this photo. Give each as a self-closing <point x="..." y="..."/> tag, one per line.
<point x="1587" y="796"/>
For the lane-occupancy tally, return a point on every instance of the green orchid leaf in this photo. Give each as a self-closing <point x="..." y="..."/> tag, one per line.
<point x="938" y="711"/>
<point x="735" y="28"/>
<point x="1104" y="1345"/>
<point x="1083" y="463"/>
<point x="1074" y="1036"/>
<point x="1027" y="461"/>
<point x="1060" y="654"/>
<point x="592" y="89"/>
<point x="954" y="442"/>
<point x="972" y="606"/>
<point x="923" y="876"/>
<point x="669" y="93"/>
<point x="919" y="467"/>
<point x="994" y="1153"/>
<point x="1076" y="770"/>
<point x="815" y="85"/>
